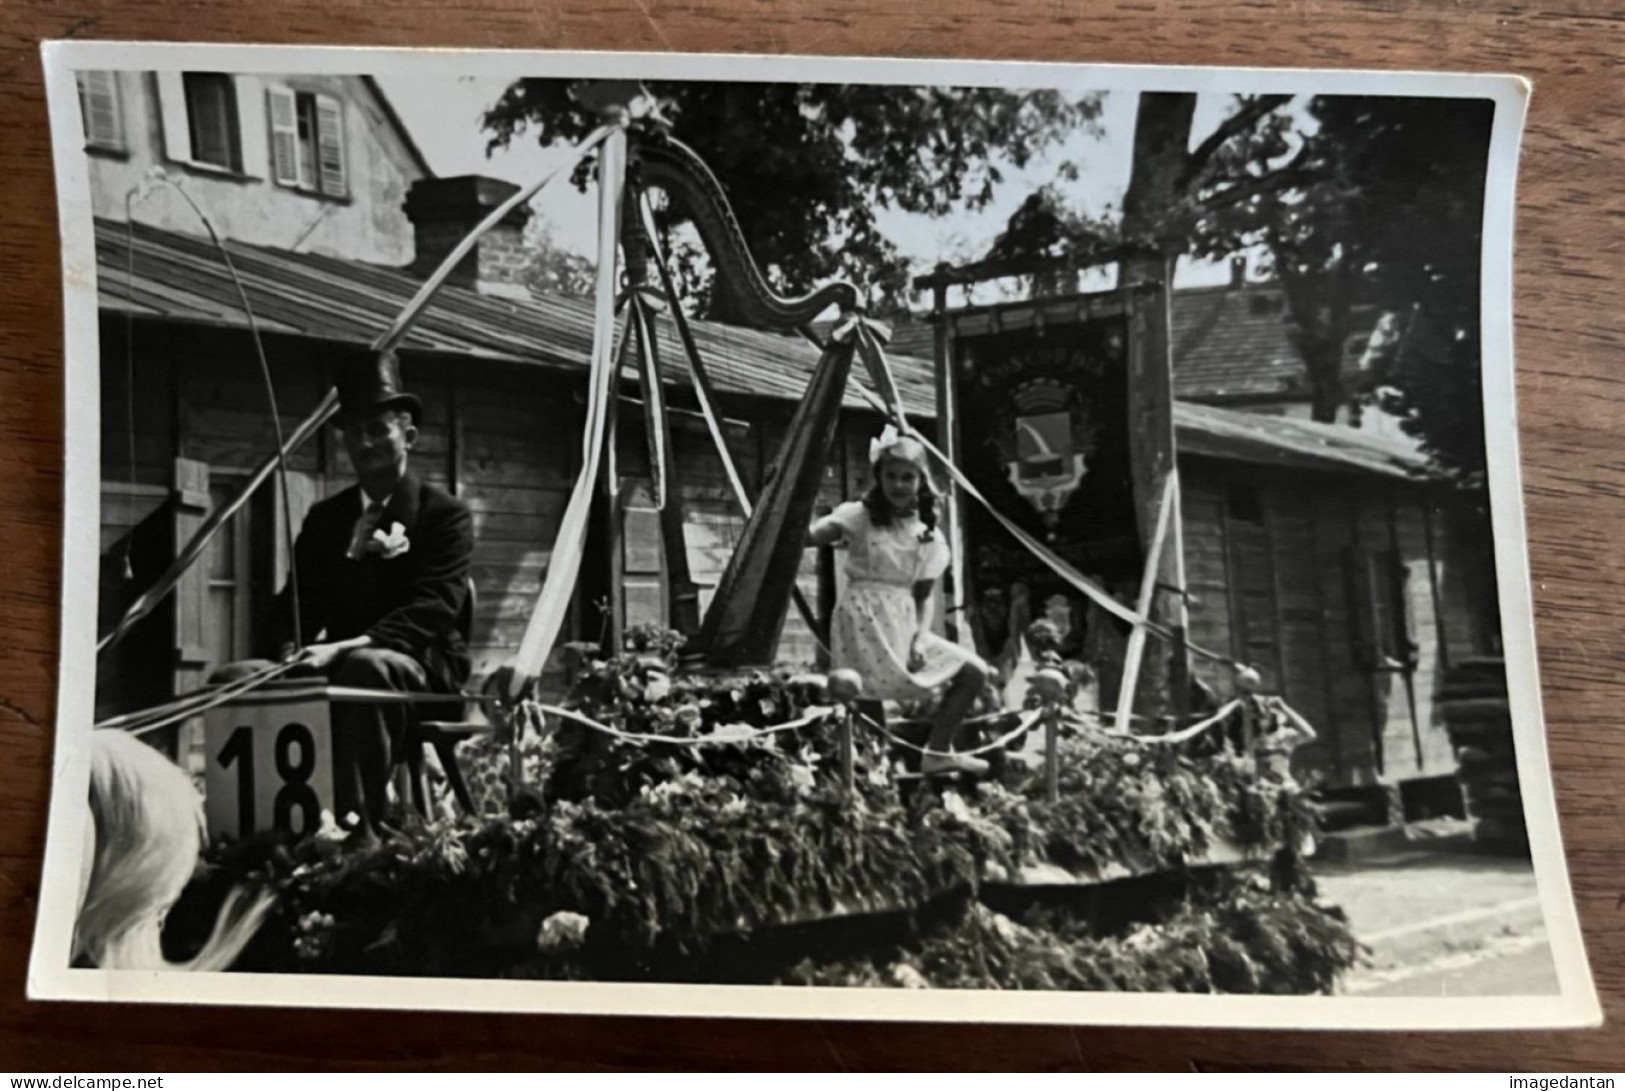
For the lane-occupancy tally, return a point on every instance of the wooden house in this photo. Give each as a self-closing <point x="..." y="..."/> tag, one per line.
<point x="1326" y="556"/>
<point x="1317" y="552"/>
<point x="1320" y="553"/>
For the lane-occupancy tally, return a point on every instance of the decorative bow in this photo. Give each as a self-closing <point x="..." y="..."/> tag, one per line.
<point x="878" y="446"/>
<point x="850" y="323"/>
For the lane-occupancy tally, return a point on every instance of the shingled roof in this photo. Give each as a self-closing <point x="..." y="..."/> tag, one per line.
<point x="181" y="278"/>
<point x="1212" y="431"/>
<point x="1231" y="343"/>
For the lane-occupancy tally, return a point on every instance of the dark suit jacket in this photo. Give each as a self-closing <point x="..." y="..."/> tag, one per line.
<point x="416" y="603"/>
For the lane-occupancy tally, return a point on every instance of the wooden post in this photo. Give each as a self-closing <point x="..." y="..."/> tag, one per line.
<point x="954" y="585"/>
<point x="1052" y="753"/>
<point x="825" y="603"/>
<point x="1148" y="590"/>
<point x="848" y="757"/>
<point x="1179" y="658"/>
<point x="1179" y="678"/>
<point x="516" y="763"/>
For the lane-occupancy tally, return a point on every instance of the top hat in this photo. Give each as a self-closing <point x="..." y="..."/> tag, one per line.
<point x="369" y="381"/>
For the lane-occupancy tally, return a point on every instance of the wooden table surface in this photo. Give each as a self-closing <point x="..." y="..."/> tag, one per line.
<point x="1570" y="321"/>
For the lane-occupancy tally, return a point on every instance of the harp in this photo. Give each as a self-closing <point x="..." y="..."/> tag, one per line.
<point x="748" y="611"/>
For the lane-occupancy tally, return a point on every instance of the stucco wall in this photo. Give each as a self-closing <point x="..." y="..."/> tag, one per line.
<point x="368" y="226"/>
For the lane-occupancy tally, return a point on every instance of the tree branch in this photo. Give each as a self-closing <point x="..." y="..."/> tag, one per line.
<point x="1242" y="120"/>
<point x="1253" y="185"/>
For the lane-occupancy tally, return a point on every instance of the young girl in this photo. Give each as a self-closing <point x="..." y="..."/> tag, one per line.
<point x="1268" y="725"/>
<point x="882" y="624"/>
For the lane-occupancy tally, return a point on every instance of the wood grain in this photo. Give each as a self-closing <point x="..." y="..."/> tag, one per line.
<point x="1569" y="326"/>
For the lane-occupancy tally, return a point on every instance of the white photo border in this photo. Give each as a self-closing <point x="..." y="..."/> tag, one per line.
<point x="50" y="976"/>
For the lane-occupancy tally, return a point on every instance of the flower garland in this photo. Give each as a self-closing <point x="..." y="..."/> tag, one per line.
<point x="627" y="850"/>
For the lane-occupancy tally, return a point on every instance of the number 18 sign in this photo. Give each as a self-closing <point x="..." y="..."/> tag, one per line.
<point x="270" y="762"/>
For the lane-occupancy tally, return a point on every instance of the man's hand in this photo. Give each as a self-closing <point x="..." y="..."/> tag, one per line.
<point x="318" y="657"/>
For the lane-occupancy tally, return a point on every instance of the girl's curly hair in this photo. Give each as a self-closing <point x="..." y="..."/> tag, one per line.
<point x="881" y="512"/>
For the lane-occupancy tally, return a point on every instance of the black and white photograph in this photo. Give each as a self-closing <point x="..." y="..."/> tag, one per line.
<point x="775" y="536"/>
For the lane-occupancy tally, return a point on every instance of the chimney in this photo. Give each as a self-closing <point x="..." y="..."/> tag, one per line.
<point x="444" y="210"/>
<point x="1238" y="272"/>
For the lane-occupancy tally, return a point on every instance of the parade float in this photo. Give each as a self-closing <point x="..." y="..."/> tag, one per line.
<point x="685" y="808"/>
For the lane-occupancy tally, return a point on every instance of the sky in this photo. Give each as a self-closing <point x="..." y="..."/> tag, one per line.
<point x="444" y="118"/>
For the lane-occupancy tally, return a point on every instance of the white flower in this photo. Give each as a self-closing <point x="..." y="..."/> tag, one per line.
<point x="390" y="545"/>
<point x="657" y="687"/>
<point x="956" y="806"/>
<point x="330" y="830"/>
<point x="801" y="779"/>
<point x="907" y="977"/>
<point x="563" y="931"/>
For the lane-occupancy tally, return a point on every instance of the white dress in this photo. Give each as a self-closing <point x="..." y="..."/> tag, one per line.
<point x="876" y="619"/>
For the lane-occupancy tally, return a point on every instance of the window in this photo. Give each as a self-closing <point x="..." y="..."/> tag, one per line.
<point x="101" y="110"/>
<point x="211" y="120"/>
<point x="307" y="142"/>
<point x="1384" y="630"/>
<point x="1242" y="504"/>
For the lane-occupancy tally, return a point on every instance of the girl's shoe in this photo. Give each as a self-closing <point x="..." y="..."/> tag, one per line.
<point x="936" y="764"/>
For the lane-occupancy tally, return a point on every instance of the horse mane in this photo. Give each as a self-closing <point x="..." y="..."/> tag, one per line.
<point x="143" y="848"/>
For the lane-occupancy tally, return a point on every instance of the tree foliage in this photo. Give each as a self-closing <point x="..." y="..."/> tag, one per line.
<point x="807" y="167"/>
<point x="554" y="270"/>
<point x="1363" y="208"/>
<point x="1376" y="214"/>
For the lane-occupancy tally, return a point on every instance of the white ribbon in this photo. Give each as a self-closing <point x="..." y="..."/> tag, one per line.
<point x="554" y="601"/>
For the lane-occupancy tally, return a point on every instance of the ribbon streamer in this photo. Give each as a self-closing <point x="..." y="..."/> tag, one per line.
<point x="554" y="601"/>
<point x="324" y="412"/>
<point x="1071" y="575"/>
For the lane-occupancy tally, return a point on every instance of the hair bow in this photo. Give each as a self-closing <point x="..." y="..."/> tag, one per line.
<point x="877" y="446"/>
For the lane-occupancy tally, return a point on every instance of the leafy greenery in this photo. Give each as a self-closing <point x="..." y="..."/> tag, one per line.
<point x="1361" y="208"/>
<point x="633" y="857"/>
<point x="807" y="166"/>
<point x="1238" y="936"/>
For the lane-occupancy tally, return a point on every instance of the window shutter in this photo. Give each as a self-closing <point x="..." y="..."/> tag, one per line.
<point x="642" y="563"/>
<point x="189" y="608"/>
<point x="172" y="114"/>
<point x="284" y="116"/>
<point x="252" y="128"/>
<point x="99" y="103"/>
<point x="1405" y="642"/>
<point x="1362" y="607"/>
<point x="330" y="146"/>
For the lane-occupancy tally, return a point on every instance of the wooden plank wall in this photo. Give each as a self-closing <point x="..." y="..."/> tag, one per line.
<point x="1300" y="605"/>
<point x="518" y="443"/>
<point x="1207" y="574"/>
<point x="504" y="438"/>
<point x="1269" y="573"/>
<point x="1351" y="748"/>
<point x="1274" y="592"/>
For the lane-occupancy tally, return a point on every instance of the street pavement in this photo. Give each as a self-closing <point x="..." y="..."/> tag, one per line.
<point x="1442" y="920"/>
<point x="1523" y="968"/>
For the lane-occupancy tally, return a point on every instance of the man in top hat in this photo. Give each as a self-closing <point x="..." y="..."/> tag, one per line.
<point x="383" y="586"/>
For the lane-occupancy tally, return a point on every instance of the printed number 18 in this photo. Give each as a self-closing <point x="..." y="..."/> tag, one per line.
<point x="295" y="792"/>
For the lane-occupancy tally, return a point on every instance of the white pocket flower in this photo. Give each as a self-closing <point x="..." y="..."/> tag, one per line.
<point x="391" y="545"/>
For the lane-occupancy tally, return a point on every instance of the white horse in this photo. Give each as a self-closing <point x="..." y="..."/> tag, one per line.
<point x="140" y="852"/>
